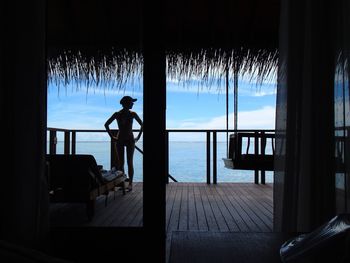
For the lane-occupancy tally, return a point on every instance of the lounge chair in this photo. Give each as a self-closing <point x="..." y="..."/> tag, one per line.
<point x="77" y="178"/>
<point x="329" y="242"/>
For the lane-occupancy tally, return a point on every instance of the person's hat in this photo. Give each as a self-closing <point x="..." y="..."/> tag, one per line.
<point x="127" y="99"/>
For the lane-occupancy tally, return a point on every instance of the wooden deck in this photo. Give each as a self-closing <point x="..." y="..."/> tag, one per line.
<point x="225" y="207"/>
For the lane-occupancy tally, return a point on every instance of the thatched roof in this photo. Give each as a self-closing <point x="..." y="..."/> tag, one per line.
<point x="99" y="41"/>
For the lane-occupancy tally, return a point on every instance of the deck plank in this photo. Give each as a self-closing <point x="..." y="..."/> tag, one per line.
<point x="219" y="216"/>
<point x="183" y="215"/>
<point x="225" y="207"/>
<point x="266" y="210"/>
<point x="239" y="221"/>
<point x="267" y="221"/>
<point x="129" y="214"/>
<point x="236" y="202"/>
<point x="192" y="213"/>
<point x="117" y="209"/>
<point x="169" y="202"/>
<point x="225" y="212"/>
<point x="202" y="221"/>
<point x="264" y="199"/>
<point x="209" y="214"/>
<point x="250" y="209"/>
<point x="175" y="212"/>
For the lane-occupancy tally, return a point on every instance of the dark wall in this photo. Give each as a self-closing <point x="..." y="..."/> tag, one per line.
<point x="23" y="200"/>
<point x="23" y="194"/>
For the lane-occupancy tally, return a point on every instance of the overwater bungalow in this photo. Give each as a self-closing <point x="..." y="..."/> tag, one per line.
<point x="98" y="41"/>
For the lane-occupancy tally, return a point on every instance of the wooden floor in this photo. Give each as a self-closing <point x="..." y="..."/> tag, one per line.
<point x="222" y="207"/>
<point x="225" y="207"/>
<point x="225" y="247"/>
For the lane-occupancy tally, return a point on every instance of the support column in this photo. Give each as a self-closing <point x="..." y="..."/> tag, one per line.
<point x="154" y="138"/>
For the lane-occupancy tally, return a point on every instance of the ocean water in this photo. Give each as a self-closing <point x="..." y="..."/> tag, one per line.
<point x="187" y="161"/>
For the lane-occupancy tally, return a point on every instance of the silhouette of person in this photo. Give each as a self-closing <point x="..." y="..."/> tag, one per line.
<point x="125" y="137"/>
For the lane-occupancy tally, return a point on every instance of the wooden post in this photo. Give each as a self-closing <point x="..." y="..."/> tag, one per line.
<point x="214" y="158"/>
<point x="154" y="136"/>
<point x="256" y="152"/>
<point x="208" y="157"/>
<point x="263" y="148"/>
<point x="66" y="142"/>
<point x="227" y="107"/>
<point x="74" y="141"/>
<point x="114" y="157"/>
<point x="167" y="156"/>
<point x="53" y="142"/>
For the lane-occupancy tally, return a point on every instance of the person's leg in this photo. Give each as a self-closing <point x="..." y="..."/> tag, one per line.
<point x="120" y="156"/>
<point x="130" y="148"/>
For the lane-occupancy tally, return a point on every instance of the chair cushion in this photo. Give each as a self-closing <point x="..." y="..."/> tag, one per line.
<point x="111" y="175"/>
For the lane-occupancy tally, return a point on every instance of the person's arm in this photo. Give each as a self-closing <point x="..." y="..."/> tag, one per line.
<point x="108" y="122"/>
<point x="138" y="119"/>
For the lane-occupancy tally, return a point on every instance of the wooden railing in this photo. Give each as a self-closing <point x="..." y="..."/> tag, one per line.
<point x="69" y="142"/>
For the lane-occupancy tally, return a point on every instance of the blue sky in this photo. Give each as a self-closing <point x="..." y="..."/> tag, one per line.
<point x="188" y="107"/>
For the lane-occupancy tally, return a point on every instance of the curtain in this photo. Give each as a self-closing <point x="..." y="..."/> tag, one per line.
<point x="304" y="181"/>
<point x="342" y="109"/>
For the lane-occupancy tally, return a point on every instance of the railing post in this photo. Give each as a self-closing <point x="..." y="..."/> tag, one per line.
<point x="53" y="142"/>
<point x="66" y="142"/>
<point x="166" y="156"/>
<point x="74" y="140"/>
<point x="214" y="158"/>
<point x="114" y="160"/>
<point x="263" y="148"/>
<point x="256" y="152"/>
<point x="208" y="157"/>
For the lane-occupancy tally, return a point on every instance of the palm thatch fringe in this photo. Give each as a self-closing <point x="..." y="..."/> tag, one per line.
<point x="116" y="67"/>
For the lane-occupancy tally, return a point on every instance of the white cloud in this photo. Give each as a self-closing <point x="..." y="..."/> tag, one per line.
<point x="258" y="119"/>
<point x="258" y="91"/>
<point x="262" y="93"/>
<point x="263" y="118"/>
